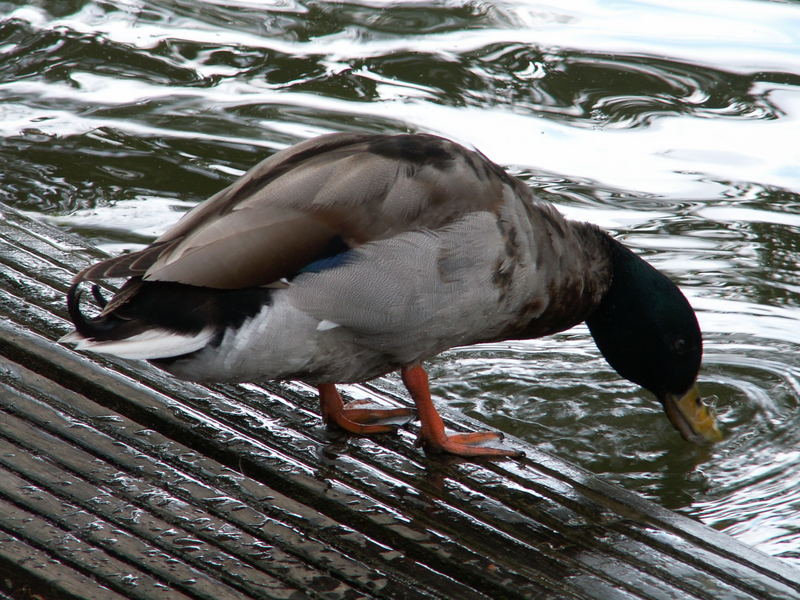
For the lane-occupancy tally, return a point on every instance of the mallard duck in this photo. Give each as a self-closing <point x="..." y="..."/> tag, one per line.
<point x="349" y="256"/>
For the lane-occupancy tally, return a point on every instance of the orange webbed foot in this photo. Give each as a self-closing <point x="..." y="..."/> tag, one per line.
<point x="432" y="436"/>
<point x="466" y="444"/>
<point x="355" y="417"/>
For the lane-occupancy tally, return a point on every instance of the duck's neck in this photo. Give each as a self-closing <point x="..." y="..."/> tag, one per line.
<point x="577" y="269"/>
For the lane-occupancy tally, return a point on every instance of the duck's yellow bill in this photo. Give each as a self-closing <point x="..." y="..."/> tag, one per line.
<point x="691" y="417"/>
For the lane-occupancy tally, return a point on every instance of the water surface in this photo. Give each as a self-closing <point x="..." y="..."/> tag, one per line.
<point x="674" y="124"/>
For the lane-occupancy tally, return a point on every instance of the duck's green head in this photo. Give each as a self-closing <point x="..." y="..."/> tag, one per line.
<point x="648" y="333"/>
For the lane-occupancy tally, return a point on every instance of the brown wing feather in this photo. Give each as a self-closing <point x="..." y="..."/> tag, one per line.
<point x="125" y="265"/>
<point x="249" y="247"/>
<point x="283" y="213"/>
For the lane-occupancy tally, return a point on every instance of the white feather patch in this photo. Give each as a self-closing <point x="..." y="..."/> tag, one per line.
<point x="324" y="325"/>
<point x="72" y="337"/>
<point x="151" y="344"/>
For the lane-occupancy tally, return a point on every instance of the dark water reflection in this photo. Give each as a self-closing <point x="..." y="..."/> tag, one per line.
<point x="674" y="126"/>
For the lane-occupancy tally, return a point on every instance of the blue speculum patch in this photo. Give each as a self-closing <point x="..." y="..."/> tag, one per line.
<point x="328" y="262"/>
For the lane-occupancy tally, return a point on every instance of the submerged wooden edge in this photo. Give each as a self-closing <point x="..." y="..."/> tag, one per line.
<point x="563" y="492"/>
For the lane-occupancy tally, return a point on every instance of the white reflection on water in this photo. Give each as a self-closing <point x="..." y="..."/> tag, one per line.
<point x="668" y="155"/>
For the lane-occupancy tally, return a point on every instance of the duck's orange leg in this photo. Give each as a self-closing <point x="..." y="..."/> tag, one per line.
<point x="432" y="436"/>
<point x="355" y="420"/>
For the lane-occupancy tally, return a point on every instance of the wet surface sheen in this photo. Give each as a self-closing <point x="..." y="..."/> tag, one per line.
<point x="673" y="124"/>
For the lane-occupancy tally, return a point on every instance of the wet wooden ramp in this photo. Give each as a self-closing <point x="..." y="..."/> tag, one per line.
<point x="117" y="481"/>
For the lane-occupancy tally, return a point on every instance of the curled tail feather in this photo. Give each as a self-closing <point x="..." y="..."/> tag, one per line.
<point x="159" y="320"/>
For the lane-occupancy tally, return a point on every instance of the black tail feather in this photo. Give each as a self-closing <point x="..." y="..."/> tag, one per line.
<point x="98" y="296"/>
<point x="143" y="305"/>
<point x="92" y="328"/>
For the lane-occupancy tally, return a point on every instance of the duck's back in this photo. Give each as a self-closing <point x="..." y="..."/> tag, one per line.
<point x="289" y="208"/>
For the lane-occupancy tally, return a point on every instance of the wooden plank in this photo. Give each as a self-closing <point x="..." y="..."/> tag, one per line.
<point x="240" y="490"/>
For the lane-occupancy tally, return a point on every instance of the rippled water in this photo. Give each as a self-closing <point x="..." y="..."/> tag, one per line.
<point x="672" y="123"/>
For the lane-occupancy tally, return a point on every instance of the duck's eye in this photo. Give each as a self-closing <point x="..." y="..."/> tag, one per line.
<point x="679" y="346"/>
